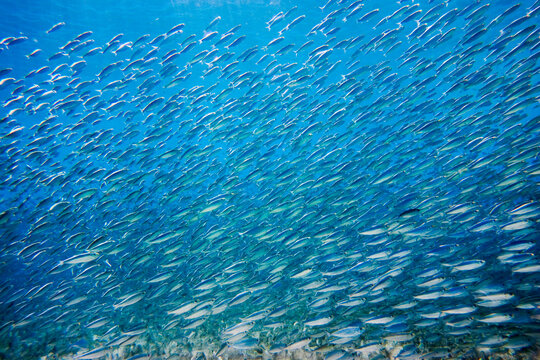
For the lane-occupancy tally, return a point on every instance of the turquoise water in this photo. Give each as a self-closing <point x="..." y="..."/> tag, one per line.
<point x="230" y="179"/>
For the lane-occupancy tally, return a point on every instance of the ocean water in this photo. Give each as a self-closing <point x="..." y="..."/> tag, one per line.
<point x="269" y="179"/>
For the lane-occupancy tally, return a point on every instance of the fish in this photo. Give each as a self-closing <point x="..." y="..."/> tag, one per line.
<point x="335" y="180"/>
<point x="212" y="23"/>
<point x="56" y="27"/>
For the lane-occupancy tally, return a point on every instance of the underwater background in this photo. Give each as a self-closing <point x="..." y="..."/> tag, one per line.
<point x="269" y="179"/>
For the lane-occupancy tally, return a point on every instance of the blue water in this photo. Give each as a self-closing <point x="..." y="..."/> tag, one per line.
<point x="358" y="179"/>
